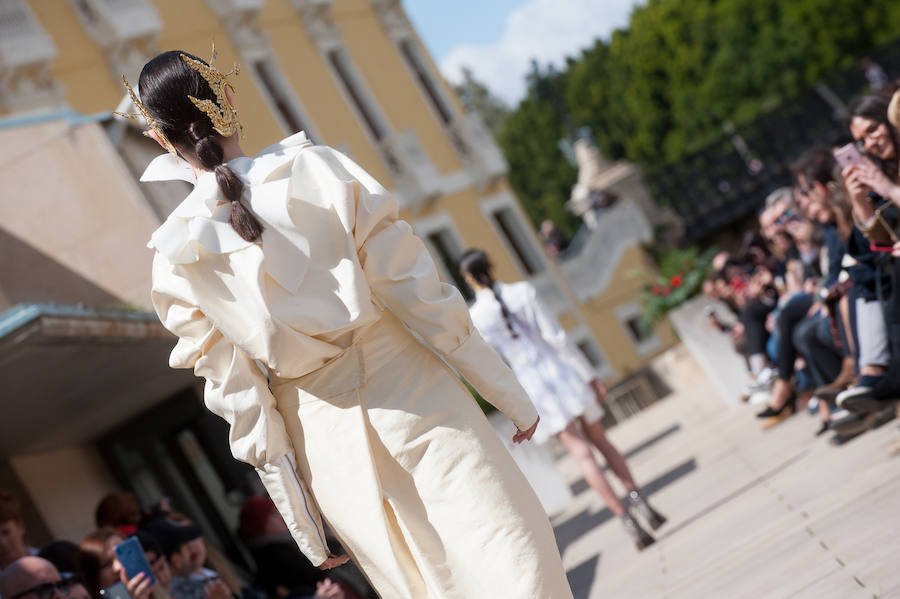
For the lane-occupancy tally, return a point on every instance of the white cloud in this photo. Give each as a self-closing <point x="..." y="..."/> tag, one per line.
<point x="546" y="30"/>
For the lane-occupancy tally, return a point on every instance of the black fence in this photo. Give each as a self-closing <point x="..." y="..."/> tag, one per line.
<point x="719" y="185"/>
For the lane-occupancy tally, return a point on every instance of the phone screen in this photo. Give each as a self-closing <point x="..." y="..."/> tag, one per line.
<point x="131" y="555"/>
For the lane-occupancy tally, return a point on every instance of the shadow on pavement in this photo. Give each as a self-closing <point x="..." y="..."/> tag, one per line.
<point x="580" y="486"/>
<point x="733" y="495"/>
<point x="581" y="577"/>
<point x="572" y="529"/>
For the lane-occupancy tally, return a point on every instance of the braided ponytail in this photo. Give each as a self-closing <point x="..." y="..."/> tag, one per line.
<point x="475" y="262"/>
<point x="166" y="85"/>
<point x="209" y="152"/>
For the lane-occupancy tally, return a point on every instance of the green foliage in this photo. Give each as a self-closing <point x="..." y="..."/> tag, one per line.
<point x="539" y="171"/>
<point x="680" y="277"/>
<point x="663" y="87"/>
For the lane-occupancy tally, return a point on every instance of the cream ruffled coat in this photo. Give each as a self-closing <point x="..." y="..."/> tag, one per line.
<point x="344" y="413"/>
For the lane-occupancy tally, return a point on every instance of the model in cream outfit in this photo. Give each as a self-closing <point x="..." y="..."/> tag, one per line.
<point x="303" y="341"/>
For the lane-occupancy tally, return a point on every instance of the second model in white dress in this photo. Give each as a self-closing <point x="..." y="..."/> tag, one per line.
<point x="550" y="368"/>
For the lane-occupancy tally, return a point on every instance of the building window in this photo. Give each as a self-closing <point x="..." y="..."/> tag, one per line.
<point x="446" y="247"/>
<point x="630" y="316"/>
<point x="582" y="339"/>
<point x="353" y="87"/>
<point x="502" y="213"/>
<point x="429" y="85"/>
<point x="275" y="89"/>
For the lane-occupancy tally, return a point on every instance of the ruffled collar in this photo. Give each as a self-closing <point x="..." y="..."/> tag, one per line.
<point x="201" y="220"/>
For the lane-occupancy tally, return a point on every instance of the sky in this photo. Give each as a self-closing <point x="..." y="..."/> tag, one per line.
<point x="497" y="39"/>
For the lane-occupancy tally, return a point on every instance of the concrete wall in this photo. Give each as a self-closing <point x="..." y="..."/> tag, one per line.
<point x="65" y="486"/>
<point x="70" y="199"/>
<point x="712" y="349"/>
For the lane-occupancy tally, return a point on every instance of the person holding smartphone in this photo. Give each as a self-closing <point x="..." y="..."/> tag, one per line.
<point x="873" y="184"/>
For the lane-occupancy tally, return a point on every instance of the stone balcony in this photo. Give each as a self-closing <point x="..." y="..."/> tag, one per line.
<point x="26" y="53"/>
<point x="417" y="180"/>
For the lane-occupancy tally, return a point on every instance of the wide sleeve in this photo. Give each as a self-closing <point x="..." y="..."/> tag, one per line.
<point x="403" y="276"/>
<point x="237" y="390"/>
<point x="555" y="335"/>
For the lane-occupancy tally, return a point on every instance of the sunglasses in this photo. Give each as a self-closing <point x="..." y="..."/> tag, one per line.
<point x="48" y="589"/>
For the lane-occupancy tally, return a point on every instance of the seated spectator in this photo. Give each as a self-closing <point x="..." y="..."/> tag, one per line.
<point x="189" y="579"/>
<point x="32" y="577"/>
<point x="98" y="555"/>
<point x="120" y="511"/>
<point x="65" y="555"/>
<point x="555" y="242"/>
<point x="281" y="570"/>
<point x="156" y="557"/>
<point x="12" y="531"/>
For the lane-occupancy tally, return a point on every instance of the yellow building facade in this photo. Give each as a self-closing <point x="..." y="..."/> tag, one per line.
<point x="355" y="75"/>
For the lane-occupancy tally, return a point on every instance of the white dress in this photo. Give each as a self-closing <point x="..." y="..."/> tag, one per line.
<point x="552" y="371"/>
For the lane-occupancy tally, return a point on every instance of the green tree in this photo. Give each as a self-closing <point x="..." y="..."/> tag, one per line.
<point x="530" y="136"/>
<point x="663" y="87"/>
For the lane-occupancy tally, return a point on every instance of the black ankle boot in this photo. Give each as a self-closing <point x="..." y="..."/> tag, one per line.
<point x="653" y="518"/>
<point x="642" y="538"/>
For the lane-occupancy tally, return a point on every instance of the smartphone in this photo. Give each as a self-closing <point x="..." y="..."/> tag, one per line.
<point x="881" y="247"/>
<point x="848" y="156"/>
<point x="131" y="556"/>
<point x="116" y="590"/>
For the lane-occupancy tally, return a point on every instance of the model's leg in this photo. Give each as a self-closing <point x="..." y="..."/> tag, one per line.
<point x="580" y="449"/>
<point x="575" y="442"/>
<point x="614" y="459"/>
<point x="617" y="464"/>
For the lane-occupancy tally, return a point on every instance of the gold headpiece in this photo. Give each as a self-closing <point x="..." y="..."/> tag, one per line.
<point x="147" y="117"/>
<point x="222" y="114"/>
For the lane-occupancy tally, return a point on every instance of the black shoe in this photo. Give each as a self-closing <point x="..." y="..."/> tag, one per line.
<point x="653" y="518"/>
<point x="859" y="398"/>
<point x="769" y="412"/>
<point x="822" y="429"/>
<point x="641" y="537"/>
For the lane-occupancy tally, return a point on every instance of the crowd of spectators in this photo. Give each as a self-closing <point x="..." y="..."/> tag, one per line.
<point x="815" y="291"/>
<point x="183" y="563"/>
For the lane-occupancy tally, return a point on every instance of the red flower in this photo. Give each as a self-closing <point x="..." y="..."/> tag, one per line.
<point x="656" y="290"/>
<point x="675" y="281"/>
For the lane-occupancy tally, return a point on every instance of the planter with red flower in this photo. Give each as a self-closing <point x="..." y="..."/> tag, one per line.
<point x="680" y="276"/>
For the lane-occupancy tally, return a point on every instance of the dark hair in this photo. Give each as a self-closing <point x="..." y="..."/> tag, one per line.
<point x="65" y="555"/>
<point x="875" y="107"/>
<point x="9" y="507"/>
<point x="816" y="165"/>
<point x="118" y="509"/>
<point x="475" y="262"/>
<point x="164" y="85"/>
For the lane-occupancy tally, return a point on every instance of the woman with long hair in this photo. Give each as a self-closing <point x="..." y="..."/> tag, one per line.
<point x="293" y="286"/>
<point x="560" y="383"/>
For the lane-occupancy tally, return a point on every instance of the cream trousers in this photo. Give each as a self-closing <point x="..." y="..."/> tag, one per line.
<point x="413" y="480"/>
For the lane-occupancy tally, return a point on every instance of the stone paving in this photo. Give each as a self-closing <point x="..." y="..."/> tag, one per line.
<point x="752" y="513"/>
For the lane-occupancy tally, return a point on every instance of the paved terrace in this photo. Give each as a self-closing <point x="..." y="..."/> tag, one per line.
<point x="752" y="513"/>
